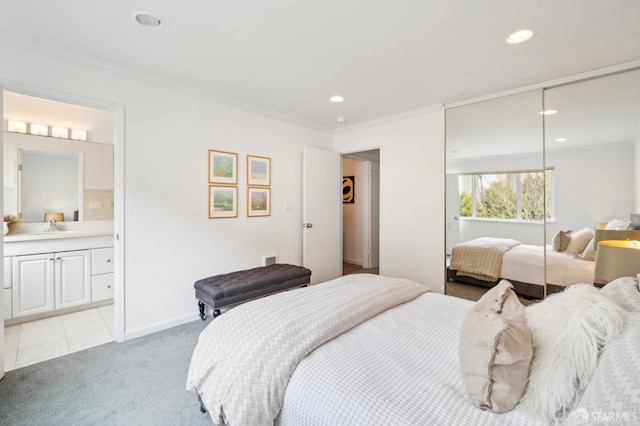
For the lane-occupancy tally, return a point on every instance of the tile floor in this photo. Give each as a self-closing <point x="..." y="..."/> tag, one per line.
<point x="36" y="341"/>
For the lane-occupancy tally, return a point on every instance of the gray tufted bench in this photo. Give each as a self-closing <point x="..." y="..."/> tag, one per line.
<point x="237" y="287"/>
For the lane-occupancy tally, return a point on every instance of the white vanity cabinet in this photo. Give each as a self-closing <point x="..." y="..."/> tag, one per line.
<point x="102" y="274"/>
<point x="44" y="282"/>
<point x="7" y="288"/>
<point x="75" y="272"/>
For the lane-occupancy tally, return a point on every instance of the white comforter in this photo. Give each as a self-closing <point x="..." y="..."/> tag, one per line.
<point x="399" y="368"/>
<point x="244" y="358"/>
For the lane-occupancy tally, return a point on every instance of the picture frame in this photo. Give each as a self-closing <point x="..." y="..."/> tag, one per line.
<point x="258" y="171"/>
<point x="223" y="167"/>
<point x="223" y="201"/>
<point x="348" y="189"/>
<point x="258" y="202"/>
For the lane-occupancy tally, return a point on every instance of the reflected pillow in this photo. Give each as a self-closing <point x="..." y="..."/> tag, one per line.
<point x="617" y="224"/>
<point x="496" y="350"/>
<point x="561" y="240"/>
<point x="589" y="252"/>
<point x="579" y="240"/>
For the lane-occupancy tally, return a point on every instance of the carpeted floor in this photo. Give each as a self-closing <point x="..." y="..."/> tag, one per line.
<point x="138" y="382"/>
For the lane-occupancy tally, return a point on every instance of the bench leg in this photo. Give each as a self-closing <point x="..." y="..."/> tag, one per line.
<point x="201" y="307"/>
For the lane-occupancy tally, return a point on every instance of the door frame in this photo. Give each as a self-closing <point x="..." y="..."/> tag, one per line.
<point x="118" y="111"/>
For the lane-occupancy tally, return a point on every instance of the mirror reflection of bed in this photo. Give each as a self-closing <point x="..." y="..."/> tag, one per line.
<point x="508" y="155"/>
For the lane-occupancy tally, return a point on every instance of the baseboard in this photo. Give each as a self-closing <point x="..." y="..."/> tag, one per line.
<point x="159" y="326"/>
<point x="353" y="261"/>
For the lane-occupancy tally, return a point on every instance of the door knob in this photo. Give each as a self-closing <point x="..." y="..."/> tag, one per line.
<point x="307" y="225"/>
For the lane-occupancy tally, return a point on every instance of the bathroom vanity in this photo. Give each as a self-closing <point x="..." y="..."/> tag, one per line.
<point x="51" y="273"/>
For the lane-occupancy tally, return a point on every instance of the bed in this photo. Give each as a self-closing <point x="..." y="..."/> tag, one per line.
<point x="361" y="349"/>
<point x="474" y="262"/>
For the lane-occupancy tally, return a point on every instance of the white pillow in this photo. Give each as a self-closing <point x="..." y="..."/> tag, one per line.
<point x="496" y="350"/>
<point x="617" y="224"/>
<point x="579" y="240"/>
<point x="625" y="292"/>
<point x="589" y="252"/>
<point x="568" y="329"/>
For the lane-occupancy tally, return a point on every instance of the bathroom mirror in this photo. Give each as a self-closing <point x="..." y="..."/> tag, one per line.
<point x="58" y="175"/>
<point x="495" y="191"/>
<point x="593" y="145"/>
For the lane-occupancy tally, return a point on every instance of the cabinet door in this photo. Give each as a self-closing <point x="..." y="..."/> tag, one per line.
<point x="32" y="284"/>
<point x="7" y="303"/>
<point x="73" y="278"/>
<point x="102" y="287"/>
<point x="7" y="271"/>
<point x="102" y="261"/>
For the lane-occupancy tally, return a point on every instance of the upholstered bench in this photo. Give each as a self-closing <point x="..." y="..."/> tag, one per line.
<point x="237" y="287"/>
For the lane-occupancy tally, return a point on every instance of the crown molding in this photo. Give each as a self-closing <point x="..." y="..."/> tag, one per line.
<point x="56" y="53"/>
<point x="390" y="118"/>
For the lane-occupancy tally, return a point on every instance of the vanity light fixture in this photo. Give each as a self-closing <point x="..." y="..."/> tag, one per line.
<point x="16" y="126"/>
<point x="548" y="112"/>
<point x="520" y="36"/>
<point x="336" y="99"/>
<point x="39" y="129"/>
<point x="78" y="135"/>
<point x="59" y="132"/>
<point x="147" y="20"/>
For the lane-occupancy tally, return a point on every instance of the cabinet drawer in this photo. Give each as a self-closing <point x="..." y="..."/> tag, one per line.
<point x="7" y="272"/>
<point x="101" y="287"/>
<point x="7" y="303"/>
<point x="102" y="261"/>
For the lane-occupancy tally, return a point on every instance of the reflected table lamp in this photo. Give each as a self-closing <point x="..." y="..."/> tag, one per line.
<point x="58" y="217"/>
<point x="615" y="259"/>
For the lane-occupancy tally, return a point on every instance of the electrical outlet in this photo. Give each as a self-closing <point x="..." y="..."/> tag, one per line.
<point x="269" y="259"/>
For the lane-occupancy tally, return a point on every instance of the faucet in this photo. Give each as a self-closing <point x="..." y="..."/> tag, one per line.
<point x="53" y="227"/>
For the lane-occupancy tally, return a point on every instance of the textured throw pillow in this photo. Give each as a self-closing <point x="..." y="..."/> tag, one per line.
<point x="617" y="224"/>
<point x="496" y="350"/>
<point x="589" y="252"/>
<point x="613" y="390"/>
<point x="624" y="291"/>
<point x="561" y="240"/>
<point x="569" y="329"/>
<point x="579" y="240"/>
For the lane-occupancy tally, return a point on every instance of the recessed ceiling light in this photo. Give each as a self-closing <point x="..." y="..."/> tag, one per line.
<point x="341" y="119"/>
<point x="336" y="98"/>
<point x="561" y="139"/>
<point x="147" y="20"/>
<point x="548" y="112"/>
<point x="520" y="36"/>
<point x="454" y="151"/>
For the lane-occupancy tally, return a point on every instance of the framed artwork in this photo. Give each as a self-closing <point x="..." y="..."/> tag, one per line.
<point x="258" y="202"/>
<point x="258" y="170"/>
<point x="223" y="201"/>
<point x="223" y="167"/>
<point x="348" y="189"/>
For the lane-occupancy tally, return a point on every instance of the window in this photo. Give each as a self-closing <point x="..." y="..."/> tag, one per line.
<point x="507" y="196"/>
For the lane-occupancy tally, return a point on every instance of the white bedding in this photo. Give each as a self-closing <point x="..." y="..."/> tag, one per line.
<point x="398" y="368"/>
<point x="525" y="263"/>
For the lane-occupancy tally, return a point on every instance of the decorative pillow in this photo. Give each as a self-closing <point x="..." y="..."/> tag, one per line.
<point x="589" y="252"/>
<point x="625" y="292"/>
<point x="569" y="329"/>
<point x="579" y="240"/>
<point x="496" y="350"/>
<point x="613" y="389"/>
<point x="617" y="224"/>
<point x="561" y="240"/>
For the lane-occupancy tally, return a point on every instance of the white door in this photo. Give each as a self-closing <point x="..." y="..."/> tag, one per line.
<point x="3" y="294"/>
<point x="73" y="279"/>
<point x="322" y="213"/>
<point x="371" y="215"/>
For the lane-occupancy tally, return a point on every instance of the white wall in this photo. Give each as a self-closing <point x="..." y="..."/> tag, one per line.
<point x="636" y="175"/>
<point x="411" y="192"/>
<point x="592" y="185"/>
<point x="169" y="240"/>
<point x="352" y="222"/>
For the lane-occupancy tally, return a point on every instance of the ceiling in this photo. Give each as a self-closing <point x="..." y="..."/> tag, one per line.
<point x="286" y="58"/>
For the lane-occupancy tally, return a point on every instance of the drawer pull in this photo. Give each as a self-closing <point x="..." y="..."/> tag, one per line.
<point x="108" y="260"/>
<point x="109" y="286"/>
